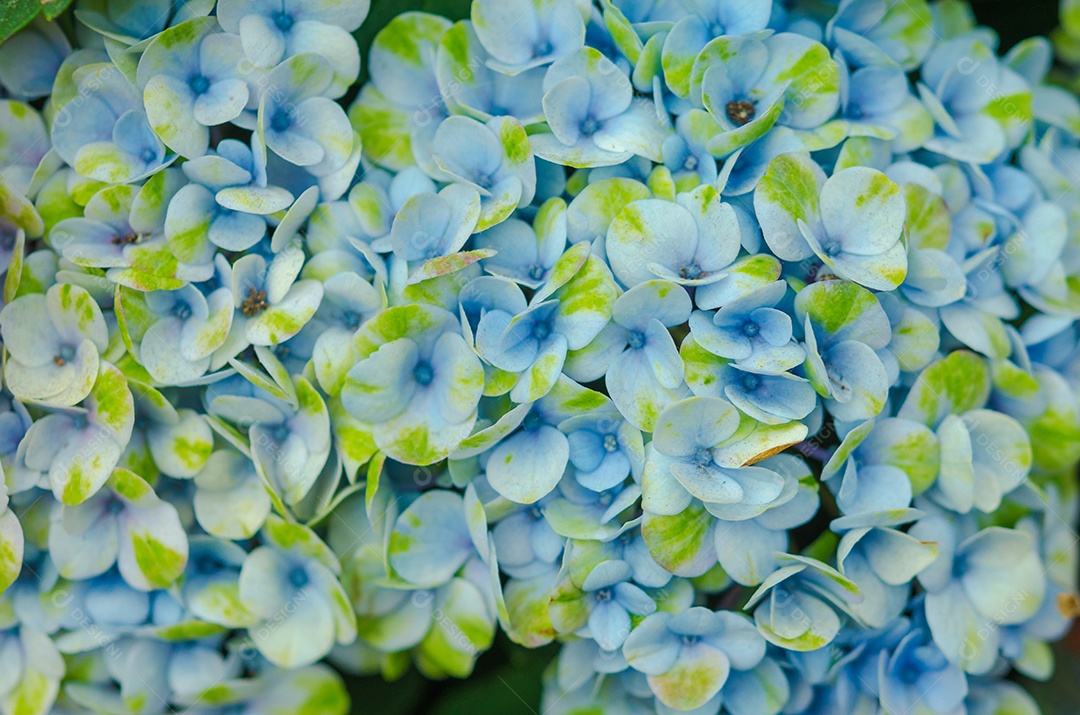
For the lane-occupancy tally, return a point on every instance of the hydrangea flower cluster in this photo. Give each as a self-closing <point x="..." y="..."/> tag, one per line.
<point x="731" y="344"/>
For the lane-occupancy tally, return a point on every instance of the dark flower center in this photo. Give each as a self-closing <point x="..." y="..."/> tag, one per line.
<point x="909" y="671"/>
<point x="280" y="432"/>
<point x="590" y="126"/>
<point x="690" y="640"/>
<point x="255" y="303"/>
<point x="541" y="331"/>
<point x="603" y="595"/>
<point x="128" y="238"/>
<point x="281" y="120"/>
<point x="536" y="272"/>
<point x="208" y="563"/>
<point x="703" y="456"/>
<point x="690" y="272"/>
<point x="959" y="566"/>
<point x="284" y="21"/>
<point x="423" y="373"/>
<point x="182" y="311"/>
<point x="199" y="84"/>
<point x="750" y="382"/>
<point x="542" y="48"/>
<point x="691" y="163"/>
<point x="831" y="247"/>
<point x="750" y="329"/>
<point x="351" y="320"/>
<point x="610" y="443"/>
<point x="636" y="340"/>
<point x="740" y="112"/>
<point x="298" y="577"/>
<point x="148" y="155"/>
<point x="64" y="355"/>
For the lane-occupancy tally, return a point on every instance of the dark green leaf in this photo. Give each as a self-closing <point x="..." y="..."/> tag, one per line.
<point x="15" y="15"/>
<point x="511" y="688"/>
<point x="54" y="8"/>
<point x="401" y="697"/>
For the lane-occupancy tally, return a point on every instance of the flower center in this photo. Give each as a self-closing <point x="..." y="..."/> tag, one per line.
<point x="536" y="272"/>
<point x="691" y="163"/>
<point x="423" y="373"/>
<point x="610" y="443"/>
<point x="114" y="507"/>
<point x="541" y="331"/>
<point x="280" y="432"/>
<point x="959" y="566"/>
<point x="255" y="303"/>
<point x="79" y="421"/>
<point x="532" y="421"/>
<point x="199" y="84"/>
<point x="831" y="247"/>
<point x="542" y="48"/>
<point x="284" y="21"/>
<point x="182" y="311"/>
<point x="351" y="320"/>
<point x="910" y="671"/>
<point x="690" y="272"/>
<point x="703" y="456"/>
<point x="750" y="329"/>
<point x="207" y="563"/>
<point x="128" y="238"/>
<point x="740" y="112"/>
<point x="298" y="577"/>
<point x="636" y="340"/>
<point x="690" y="640"/>
<point x="750" y="382"/>
<point x="64" y="355"/>
<point x="603" y="595"/>
<point x="590" y="126"/>
<point x="281" y="120"/>
<point x="148" y="155"/>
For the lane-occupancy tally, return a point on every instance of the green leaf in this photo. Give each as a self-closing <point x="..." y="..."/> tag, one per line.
<point x="15" y="15"/>
<point x="512" y="688"/>
<point x="54" y="8"/>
